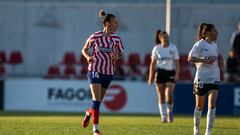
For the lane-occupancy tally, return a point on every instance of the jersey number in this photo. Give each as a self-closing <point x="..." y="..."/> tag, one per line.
<point x="95" y="75"/>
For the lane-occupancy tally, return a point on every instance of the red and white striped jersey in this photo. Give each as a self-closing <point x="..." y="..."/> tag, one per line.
<point x="102" y="47"/>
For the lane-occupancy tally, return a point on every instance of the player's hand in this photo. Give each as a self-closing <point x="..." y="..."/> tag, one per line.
<point x="91" y="60"/>
<point x="150" y="80"/>
<point x="114" y="56"/>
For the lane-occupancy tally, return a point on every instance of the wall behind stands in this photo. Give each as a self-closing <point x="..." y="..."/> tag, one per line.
<point x="45" y="31"/>
<point x="121" y="97"/>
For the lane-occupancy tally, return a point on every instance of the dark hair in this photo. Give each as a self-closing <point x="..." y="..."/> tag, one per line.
<point x="203" y="29"/>
<point x="157" y="41"/>
<point x="105" y="17"/>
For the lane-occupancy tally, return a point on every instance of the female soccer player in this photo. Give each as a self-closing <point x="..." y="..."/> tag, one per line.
<point x="207" y="78"/>
<point x="165" y="66"/>
<point x="107" y="48"/>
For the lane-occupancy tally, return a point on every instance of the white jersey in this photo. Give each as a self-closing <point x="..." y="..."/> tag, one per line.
<point x="206" y="73"/>
<point x="165" y="56"/>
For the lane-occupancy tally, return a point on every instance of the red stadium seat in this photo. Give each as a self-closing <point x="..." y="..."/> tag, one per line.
<point x="69" y="58"/>
<point x="2" y="70"/>
<point x="184" y="60"/>
<point x="185" y="75"/>
<point x="82" y="60"/>
<point x="134" y="59"/>
<point x="83" y="72"/>
<point x="15" y="58"/>
<point x="69" y="72"/>
<point x="53" y="72"/>
<point x="121" y="61"/>
<point x="3" y="58"/>
<point x="147" y="59"/>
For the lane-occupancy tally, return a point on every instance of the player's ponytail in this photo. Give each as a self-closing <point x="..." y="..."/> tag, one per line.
<point x="157" y="41"/>
<point x="105" y="17"/>
<point x="199" y="31"/>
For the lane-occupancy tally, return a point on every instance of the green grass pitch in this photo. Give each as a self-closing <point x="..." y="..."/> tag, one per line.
<point x="19" y="123"/>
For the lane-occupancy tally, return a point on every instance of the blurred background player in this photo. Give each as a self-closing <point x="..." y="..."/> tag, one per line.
<point x="165" y="66"/>
<point x="232" y="67"/>
<point x="235" y="40"/>
<point x="107" y="48"/>
<point x="207" y="78"/>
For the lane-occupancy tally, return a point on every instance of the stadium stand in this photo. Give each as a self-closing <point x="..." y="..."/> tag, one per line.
<point x="3" y="58"/>
<point x="147" y="59"/>
<point x="15" y="58"/>
<point x="82" y="60"/>
<point x="70" y="72"/>
<point x="2" y="70"/>
<point x="53" y="72"/>
<point x="134" y="59"/>
<point x="69" y="58"/>
<point x="83" y="72"/>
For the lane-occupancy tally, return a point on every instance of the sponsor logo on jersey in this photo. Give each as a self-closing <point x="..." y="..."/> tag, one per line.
<point x="211" y="57"/>
<point x="165" y="58"/>
<point x="104" y="49"/>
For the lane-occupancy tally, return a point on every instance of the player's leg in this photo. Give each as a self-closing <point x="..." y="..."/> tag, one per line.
<point x="105" y="82"/>
<point x="103" y="92"/>
<point x="212" y="99"/>
<point x="95" y="86"/>
<point x="169" y="89"/>
<point x="96" y="101"/>
<point x="93" y="110"/>
<point x="200" y="100"/>
<point x="162" y="101"/>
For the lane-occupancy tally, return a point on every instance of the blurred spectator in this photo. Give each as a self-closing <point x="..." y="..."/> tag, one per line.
<point x="119" y="73"/>
<point x="235" y="40"/>
<point x="134" y="73"/>
<point x="232" y="67"/>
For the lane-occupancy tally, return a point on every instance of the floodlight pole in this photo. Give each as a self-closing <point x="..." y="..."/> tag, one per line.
<point x="168" y="16"/>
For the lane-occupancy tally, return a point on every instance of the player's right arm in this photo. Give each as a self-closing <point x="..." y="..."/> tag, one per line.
<point x="153" y="66"/>
<point x="152" y="70"/>
<point x="85" y="50"/>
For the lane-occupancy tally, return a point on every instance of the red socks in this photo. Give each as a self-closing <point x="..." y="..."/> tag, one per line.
<point x="95" y="115"/>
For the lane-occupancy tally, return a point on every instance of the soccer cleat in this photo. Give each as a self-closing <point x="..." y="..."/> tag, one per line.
<point x="164" y="120"/>
<point x="196" y="131"/>
<point x="86" y="119"/>
<point x="96" y="132"/>
<point x="170" y="117"/>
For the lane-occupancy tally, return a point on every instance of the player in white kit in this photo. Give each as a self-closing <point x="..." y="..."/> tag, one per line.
<point x="207" y="78"/>
<point x="165" y="67"/>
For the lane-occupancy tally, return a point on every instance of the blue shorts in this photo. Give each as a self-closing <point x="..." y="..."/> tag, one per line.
<point x="95" y="77"/>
